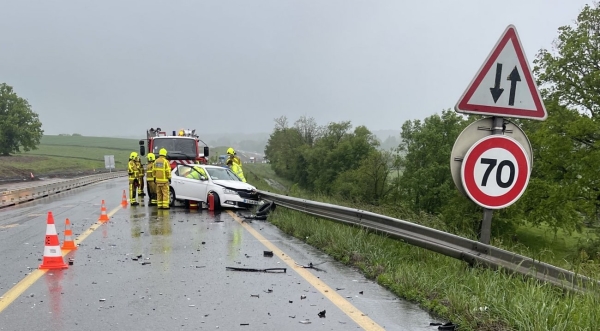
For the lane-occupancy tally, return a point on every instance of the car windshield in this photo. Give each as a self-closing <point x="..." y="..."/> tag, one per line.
<point x="222" y="174"/>
<point x="176" y="147"/>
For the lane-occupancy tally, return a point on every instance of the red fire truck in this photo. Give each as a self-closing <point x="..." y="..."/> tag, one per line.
<point x="183" y="147"/>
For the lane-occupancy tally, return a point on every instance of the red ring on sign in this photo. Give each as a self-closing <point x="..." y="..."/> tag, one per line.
<point x="468" y="171"/>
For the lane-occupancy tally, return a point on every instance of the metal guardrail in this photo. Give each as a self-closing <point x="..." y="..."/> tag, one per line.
<point x="438" y="241"/>
<point x="13" y="197"/>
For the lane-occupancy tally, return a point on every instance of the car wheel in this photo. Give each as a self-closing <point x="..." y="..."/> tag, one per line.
<point x="171" y="197"/>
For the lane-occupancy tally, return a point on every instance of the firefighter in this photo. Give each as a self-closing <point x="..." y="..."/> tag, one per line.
<point x="132" y="171"/>
<point x="233" y="156"/>
<point x="237" y="170"/>
<point x="161" y="172"/>
<point x="141" y="174"/>
<point x="150" y="184"/>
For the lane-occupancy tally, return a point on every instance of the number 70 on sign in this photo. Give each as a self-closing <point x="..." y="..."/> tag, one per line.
<point x="495" y="171"/>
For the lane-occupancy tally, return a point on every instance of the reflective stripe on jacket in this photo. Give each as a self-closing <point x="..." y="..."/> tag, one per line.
<point x="161" y="170"/>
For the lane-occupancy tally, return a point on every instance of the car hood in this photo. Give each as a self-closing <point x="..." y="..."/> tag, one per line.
<point x="234" y="185"/>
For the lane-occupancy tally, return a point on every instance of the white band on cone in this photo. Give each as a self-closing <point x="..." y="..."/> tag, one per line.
<point x="50" y="230"/>
<point x="52" y="251"/>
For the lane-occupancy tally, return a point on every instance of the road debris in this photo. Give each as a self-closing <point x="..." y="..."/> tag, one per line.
<point x="268" y="253"/>
<point x="448" y="326"/>
<point x="311" y="266"/>
<point x="257" y="270"/>
<point x="255" y="295"/>
<point x="306" y="321"/>
<point x="322" y="314"/>
<point x="302" y="297"/>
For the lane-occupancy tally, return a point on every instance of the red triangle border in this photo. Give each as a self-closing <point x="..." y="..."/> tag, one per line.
<point x="464" y="107"/>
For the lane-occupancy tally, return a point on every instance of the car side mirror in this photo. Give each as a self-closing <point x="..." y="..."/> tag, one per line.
<point x="202" y="178"/>
<point x="142" y="148"/>
<point x="205" y="151"/>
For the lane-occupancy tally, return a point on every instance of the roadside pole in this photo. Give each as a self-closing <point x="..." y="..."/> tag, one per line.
<point x="486" y="224"/>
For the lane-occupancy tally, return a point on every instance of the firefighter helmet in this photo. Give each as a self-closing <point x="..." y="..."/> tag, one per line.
<point x="151" y="157"/>
<point x="133" y="155"/>
<point x="230" y="151"/>
<point x="162" y="152"/>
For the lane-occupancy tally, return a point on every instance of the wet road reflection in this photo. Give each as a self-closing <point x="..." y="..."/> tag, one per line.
<point x="180" y="281"/>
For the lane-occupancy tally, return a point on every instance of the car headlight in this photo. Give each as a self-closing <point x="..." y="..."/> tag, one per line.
<point x="228" y="191"/>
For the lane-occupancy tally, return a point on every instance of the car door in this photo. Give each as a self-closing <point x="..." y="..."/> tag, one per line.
<point x="202" y="188"/>
<point x="190" y="188"/>
<point x="181" y="184"/>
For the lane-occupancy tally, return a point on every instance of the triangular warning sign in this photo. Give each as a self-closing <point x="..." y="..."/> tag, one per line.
<point x="504" y="85"/>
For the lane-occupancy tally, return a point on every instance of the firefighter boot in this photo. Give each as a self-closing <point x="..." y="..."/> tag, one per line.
<point x="152" y="199"/>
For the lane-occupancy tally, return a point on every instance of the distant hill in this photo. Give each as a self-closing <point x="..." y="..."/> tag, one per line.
<point x="256" y="142"/>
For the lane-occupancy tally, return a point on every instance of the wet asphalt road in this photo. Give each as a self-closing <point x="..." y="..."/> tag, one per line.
<point x="185" y="285"/>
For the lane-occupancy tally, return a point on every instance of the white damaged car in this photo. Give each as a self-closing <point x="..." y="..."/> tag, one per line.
<point x="187" y="184"/>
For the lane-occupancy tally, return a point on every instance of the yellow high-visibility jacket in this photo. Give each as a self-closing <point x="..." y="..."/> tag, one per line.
<point x="161" y="171"/>
<point x="149" y="172"/>
<point x="132" y="170"/>
<point x="237" y="169"/>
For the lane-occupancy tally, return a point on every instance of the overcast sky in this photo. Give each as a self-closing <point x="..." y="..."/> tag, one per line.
<point x="120" y="67"/>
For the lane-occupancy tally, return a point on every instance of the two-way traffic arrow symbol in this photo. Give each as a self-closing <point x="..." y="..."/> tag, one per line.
<point x="496" y="91"/>
<point x="514" y="77"/>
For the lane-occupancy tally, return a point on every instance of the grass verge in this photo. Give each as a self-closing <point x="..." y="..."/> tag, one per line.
<point x="475" y="298"/>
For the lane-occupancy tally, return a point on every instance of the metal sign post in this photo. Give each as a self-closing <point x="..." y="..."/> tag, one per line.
<point x="486" y="222"/>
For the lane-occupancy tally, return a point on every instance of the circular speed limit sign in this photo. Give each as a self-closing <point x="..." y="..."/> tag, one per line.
<point x="495" y="171"/>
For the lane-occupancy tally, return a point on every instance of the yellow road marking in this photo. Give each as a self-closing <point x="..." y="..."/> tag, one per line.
<point x="349" y="309"/>
<point x="25" y="283"/>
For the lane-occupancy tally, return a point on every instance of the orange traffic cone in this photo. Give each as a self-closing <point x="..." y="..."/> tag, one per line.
<point x="52" y="255"/>
<point x="103" y="215"/>
<point x="68" y="243"/>
<point x="124" y="202"/>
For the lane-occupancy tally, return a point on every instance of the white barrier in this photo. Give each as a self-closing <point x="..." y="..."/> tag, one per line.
<point x="16" y="196"/>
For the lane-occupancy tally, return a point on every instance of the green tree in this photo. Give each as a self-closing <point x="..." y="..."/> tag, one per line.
<point x="565" y="187"/>
<point x="20" y="127"/>
<point x="426" y="180"/>
<point x="282" y="148"/>
<point x="370" y="182"/>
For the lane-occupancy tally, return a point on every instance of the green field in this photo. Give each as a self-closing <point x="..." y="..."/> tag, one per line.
<point x="71" y="154"/>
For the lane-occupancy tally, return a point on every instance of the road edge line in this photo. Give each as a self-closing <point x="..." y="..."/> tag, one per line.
<point x="339" y="301"/>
